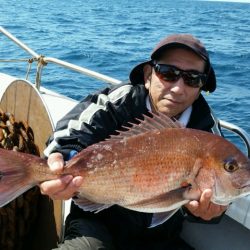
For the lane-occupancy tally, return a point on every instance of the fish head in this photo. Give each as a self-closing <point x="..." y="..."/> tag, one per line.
<point x="230" y="169"/>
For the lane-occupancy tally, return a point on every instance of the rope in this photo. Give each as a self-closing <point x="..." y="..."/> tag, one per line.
<point x="17" y="217"/>
<point x="15" y="60"/>
<point x="40" y="64"/>
<point x="30" y="61"/>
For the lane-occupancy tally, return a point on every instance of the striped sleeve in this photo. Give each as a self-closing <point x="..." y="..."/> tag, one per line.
<point x="101" y="111"/>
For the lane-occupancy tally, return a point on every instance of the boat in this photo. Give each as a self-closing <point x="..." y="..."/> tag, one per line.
<point x="38" y="105"/>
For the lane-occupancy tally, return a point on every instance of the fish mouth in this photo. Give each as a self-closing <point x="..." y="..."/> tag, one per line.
<point x="224" y="199"/>
<point x="241" y="177"/>
<point x="246" y="186"/>
<point x="241" y="183"/>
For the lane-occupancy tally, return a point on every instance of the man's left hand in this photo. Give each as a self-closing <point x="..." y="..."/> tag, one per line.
<point x="204" y="208"/>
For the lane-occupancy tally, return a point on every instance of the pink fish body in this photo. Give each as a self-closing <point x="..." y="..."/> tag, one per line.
<point x="155" y="167"/>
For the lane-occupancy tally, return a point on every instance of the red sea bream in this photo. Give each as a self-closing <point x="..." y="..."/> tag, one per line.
<point x="155" y="167"/>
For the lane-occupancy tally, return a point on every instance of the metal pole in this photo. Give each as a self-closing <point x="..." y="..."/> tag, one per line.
<point x="19" y="43"/>
<point x="83" y="70"/>
<point x="241" y="132"/>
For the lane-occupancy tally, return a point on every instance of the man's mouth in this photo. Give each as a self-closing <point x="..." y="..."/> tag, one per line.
<point x="172" y="101"/>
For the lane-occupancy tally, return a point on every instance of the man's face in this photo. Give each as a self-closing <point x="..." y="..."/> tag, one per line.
<point x="172" y="98"/>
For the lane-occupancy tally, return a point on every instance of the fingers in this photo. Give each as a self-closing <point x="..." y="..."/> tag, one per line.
<point x="56" y="162"/>
<point x="192" y="206"/>
<point x="217" y="210"/>
<point x="65" y="192"/>
<point x="54" y="186"/>
<point x="205" y="200"/>
<point x="204" y="208"/>
<point x="63" y="187"/>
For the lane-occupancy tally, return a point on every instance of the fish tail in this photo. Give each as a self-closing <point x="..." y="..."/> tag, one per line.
<point x="15" y="176"/>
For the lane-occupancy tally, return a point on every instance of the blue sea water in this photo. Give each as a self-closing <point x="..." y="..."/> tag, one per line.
<point x="111" y="37"/>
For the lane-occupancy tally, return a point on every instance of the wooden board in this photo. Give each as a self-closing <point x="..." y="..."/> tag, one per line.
<point x="24" y="101"/>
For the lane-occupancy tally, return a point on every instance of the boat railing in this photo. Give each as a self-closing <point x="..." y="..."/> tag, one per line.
<point x="42" y="61"/>
<point x="239" y="131"/>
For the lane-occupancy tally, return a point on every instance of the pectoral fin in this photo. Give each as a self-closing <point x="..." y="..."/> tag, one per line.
<point x="164" y="202"/>
<point x="90" y="206"/>
<point x="160" y="218"/>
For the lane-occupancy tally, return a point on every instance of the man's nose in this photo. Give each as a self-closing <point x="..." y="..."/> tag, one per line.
<point x="178" y="86"/>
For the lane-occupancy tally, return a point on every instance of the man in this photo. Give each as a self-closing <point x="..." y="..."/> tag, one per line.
<point x="171" y="83"/>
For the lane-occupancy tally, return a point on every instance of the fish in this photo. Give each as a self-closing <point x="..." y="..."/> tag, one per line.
<point x="155" y="166"/>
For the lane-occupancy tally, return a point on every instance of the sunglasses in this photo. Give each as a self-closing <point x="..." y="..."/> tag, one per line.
<point x="171" y="73"/>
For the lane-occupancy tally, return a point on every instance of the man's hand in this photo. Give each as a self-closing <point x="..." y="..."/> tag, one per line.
<point x="64" y="187"/>
<point x="204" y="208"/>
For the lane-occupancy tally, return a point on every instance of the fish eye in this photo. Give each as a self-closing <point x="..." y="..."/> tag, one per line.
<point x="231" y="165"/>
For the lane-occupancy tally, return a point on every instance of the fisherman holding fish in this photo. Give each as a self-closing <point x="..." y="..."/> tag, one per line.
<point x="170" y="83"/>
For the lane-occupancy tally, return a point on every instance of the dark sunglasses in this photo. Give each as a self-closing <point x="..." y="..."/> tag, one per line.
<point x="171" y="73"/>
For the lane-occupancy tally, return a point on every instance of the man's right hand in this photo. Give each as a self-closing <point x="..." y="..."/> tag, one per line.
<point x="62" y="188"/>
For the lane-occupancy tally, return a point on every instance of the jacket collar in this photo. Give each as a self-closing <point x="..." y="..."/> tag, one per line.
<point x="201" y="115"/>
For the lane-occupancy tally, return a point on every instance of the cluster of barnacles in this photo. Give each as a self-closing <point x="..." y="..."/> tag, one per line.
<point x="17" y="136"/>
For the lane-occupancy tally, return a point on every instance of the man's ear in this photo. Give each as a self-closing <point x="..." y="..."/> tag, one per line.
<point x="147" y="70"/>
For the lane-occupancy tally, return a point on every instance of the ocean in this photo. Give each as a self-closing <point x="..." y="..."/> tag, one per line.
<point x="111" y="37"/>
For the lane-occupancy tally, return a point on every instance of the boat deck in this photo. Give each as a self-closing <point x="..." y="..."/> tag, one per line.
<point x="226" y="235"/>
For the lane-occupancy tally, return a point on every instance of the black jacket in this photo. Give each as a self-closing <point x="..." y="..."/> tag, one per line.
<point x="100" y="114"/>
<point x="93" y="120"/>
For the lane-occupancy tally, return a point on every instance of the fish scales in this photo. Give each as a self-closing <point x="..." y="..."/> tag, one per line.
<point x="149" y="168"/>
<point x="154" y="169"/>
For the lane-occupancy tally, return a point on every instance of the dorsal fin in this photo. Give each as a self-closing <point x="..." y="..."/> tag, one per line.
<point x="158" y="121"/>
